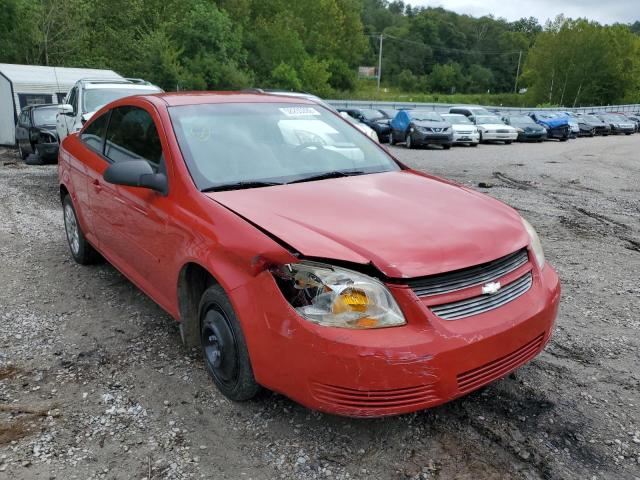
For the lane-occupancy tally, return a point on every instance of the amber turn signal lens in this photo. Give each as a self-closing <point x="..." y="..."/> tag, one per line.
<point x="351" y="300"/>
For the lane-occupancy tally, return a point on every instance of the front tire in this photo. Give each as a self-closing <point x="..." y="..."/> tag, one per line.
<point x="446" y="146"/>
<point x="23" y="155"/>
<point x="81" y="250"/>
<point x="408" y="142"/>
<point x="508" y="142"/>
<point x="224" y="348"/>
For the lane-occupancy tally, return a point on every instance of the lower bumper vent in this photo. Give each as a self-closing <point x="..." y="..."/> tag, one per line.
<point x="472" y="379"/>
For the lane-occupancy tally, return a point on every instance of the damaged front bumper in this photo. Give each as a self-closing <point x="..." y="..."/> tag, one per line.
<point x="379" y="372"/>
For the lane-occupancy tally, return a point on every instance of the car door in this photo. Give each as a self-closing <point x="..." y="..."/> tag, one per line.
<point x="130" y="222"/>
<point x="84" y="170"/>
<point x="22" y="132"/>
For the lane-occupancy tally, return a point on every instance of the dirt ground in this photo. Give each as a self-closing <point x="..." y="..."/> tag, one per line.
<point x="95" y="383"/>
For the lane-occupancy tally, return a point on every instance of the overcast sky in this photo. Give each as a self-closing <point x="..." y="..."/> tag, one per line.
<point x="604" y="11"/>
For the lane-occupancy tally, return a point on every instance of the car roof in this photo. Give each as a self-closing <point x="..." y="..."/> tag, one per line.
<point x="116" y="85"/>
<point x="194" y="98"/>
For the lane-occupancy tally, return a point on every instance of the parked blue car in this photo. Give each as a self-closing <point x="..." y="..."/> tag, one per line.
<point x="557" y="125"/>
<point x="421" y="127"/>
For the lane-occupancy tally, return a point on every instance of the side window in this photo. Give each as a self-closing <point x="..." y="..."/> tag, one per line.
<point x="132" y="135"/>
<point x="93" y="135"/>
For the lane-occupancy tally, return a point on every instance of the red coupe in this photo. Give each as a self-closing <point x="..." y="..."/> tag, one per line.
<point x="301" y="256"/>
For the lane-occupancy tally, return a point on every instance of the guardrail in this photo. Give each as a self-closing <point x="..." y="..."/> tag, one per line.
<point x="444" y="107"/>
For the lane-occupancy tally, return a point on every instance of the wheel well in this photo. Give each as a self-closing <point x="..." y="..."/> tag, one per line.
<point x="193" y="280"/>
<point x="63" y="192"/>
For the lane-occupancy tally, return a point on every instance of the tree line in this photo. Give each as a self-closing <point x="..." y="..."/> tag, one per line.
<point x="317" y="45"/>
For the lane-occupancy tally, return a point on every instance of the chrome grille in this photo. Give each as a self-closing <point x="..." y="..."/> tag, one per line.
<point x="503" y="130"/>
<point x="469" y="277"/>
<point x="484" y="303"/>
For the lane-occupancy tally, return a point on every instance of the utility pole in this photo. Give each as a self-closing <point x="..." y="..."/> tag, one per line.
<point x="380" y="61"/>
<point x="515" y="89"/>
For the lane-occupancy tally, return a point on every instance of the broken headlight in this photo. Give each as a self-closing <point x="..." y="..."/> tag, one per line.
<point x="337" y="297"/>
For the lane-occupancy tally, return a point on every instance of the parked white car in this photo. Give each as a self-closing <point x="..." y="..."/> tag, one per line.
<point x="464" y="131"/>
<point x="87" y="96"/>
<point x="492" y="129"/>
<point x="366" y="129"/>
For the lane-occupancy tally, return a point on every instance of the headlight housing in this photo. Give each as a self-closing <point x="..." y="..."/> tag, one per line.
<point x="536" y="245"/>
<point x="337" y="297"/>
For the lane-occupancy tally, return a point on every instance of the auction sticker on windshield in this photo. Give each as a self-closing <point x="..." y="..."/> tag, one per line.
<point x="299" y="111"/>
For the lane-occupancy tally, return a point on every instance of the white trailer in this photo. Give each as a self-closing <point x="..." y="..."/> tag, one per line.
<point x="22" y="85"/>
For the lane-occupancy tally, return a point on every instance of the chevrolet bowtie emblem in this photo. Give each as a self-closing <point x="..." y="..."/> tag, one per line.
<point x="491" y="288"/>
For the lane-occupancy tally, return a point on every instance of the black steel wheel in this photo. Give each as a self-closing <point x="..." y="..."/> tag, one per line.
<point x="224" y="348"/>
<point x="23" y="155"/>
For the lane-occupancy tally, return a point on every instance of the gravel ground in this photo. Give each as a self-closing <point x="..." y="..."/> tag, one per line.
<point x="95" y="383"/>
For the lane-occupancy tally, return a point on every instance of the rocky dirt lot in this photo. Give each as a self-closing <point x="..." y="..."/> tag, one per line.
<point x="95" y="383"/>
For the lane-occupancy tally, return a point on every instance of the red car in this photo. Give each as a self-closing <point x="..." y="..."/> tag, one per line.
<point x="302" y="256"/>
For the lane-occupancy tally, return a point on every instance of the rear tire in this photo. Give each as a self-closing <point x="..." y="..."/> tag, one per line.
<point x="224" y="348"/>
<point x="474" y="144"/>
<point x="81" y="250"/>
<point x="446" y="147"/>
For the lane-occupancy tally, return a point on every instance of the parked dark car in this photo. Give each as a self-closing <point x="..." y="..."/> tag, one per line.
<point x="635" y="118"/>
<point x="528" y="129"/>
<point x="373" y="118"/>
<point x="420" y="128"/>
<point x="619" y="123"/>
<point x="593" y="124"/>
<point x="36" y="132"/>
<point x="557" y="126"/>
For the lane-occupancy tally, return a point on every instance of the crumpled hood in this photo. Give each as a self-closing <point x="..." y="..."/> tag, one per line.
<point x="406" y="224"/>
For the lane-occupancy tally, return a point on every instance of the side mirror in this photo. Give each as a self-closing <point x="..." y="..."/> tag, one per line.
<point x="136" y="173"/>
<point x="65" y="109"/>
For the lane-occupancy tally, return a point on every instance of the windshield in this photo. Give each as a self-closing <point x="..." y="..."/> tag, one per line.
<point x="94" y="99"/>
<point x="521" y="119"/>
<point x="389" y="113"/>
<point x="45" y="116"/>
<point x="457" y="119"/>
<point x="373" y="115"/>
<point x="248" y="143"/>
<point x="486" y="120"/>
<point x="547" y="115"/>
<point x="426" y="116"/>
<point x="591" y="118"/>
<point x="613" y="118"/>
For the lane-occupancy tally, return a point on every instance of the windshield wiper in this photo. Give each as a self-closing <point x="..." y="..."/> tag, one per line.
<point x="239" y="186"/>
<point x="327" y="175"/>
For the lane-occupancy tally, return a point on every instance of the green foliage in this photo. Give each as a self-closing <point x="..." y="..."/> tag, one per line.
<point x="315" y="76"/>
<point x="284" y="76"/>
<point x="577" y="62"/>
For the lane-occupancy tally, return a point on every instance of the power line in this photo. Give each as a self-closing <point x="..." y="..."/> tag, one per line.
<point x="445" y="49"/>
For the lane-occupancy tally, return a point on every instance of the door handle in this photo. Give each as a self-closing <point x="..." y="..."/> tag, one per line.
<point x="97" y="186"/>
